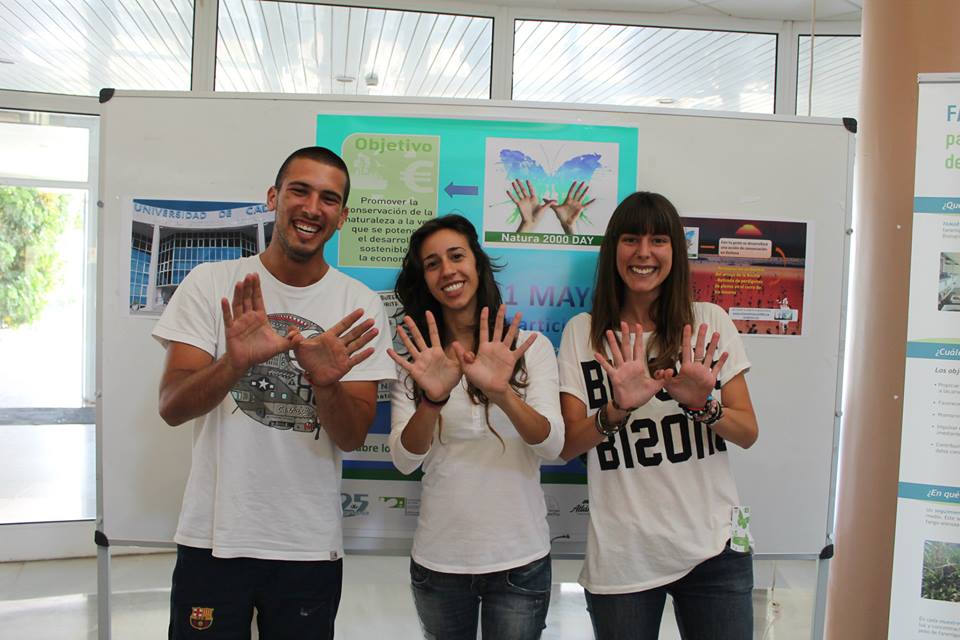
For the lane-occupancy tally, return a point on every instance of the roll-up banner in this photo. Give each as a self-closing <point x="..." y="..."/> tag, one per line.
<point x="925" y="591"/>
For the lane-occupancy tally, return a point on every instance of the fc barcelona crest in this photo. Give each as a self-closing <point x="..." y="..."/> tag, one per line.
<point x="201" y="617"/>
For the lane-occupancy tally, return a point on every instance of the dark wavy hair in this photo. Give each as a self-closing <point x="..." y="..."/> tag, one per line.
<point x="415" y="299"/>
<point x="644" y="213"/>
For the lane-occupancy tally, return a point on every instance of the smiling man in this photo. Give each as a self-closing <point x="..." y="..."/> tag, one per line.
<point x="278" y="355"/>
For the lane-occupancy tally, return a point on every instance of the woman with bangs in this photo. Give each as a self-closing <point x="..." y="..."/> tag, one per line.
<point x="476" y="406"/>
<point x="652" y="388"/>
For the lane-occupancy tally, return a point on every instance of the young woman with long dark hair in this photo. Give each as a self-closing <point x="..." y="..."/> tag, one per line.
<point x="652" y="388"/>
<point x="477" y="408"/>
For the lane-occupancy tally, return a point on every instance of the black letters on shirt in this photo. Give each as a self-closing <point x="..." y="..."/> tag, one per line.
<point x="634" y="445"/>
<point x="596" y="389"/>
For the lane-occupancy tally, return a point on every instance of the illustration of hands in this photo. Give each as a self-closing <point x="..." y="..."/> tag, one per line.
<point x="573" y="207"/>
<point x="530" y="208"/>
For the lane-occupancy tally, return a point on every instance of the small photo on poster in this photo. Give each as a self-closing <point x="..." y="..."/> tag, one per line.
<point x="948" y="291"/>
<point x="754" y="269"/>
<point x="941" y="571"/>
<point x="541" y="193"/>
<point x="168" y="238"/>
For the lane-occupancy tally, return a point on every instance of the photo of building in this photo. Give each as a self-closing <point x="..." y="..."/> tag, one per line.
<point x="168" y="238"/>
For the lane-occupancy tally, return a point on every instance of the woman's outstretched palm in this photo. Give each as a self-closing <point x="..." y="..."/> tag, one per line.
<point x="431" y="368"/>
<point x="628" y="373"/>
<point x="491" y="366"/>
<point x="698" y="372"/>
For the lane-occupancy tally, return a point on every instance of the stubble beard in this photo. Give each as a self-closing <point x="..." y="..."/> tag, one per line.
<point x="297" y="255"/>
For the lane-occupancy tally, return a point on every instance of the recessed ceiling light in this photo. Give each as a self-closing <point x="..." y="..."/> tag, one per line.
<point x="666" y="100"/>
<point x="345" y="79"/>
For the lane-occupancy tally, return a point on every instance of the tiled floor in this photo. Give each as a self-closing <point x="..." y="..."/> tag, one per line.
<point x="56" y="600"/>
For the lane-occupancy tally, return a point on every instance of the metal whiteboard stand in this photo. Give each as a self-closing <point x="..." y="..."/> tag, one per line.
<point x="103" y="586"/>
<point x="826" y="554"/>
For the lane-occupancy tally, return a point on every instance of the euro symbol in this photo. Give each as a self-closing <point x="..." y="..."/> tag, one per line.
<point x="416" y="174"/>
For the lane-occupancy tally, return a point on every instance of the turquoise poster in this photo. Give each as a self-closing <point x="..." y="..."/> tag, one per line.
<point x="540" y="196"/>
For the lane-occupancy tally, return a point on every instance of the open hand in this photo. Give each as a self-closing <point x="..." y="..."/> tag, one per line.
<point x="491" y="367"/>
<point x="433" y="370"/>
<point x="628" y="373"/>
<point x="249" y="336"/>
<point x="698" y="372"/>
<point x="327" y="357"/>
<point x="527" y="203"/>
<point x="572" y="206"/>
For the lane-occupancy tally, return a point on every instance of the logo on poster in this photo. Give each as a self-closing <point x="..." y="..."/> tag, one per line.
<point x="583" y="507"/>
<point x="354" y="504"/>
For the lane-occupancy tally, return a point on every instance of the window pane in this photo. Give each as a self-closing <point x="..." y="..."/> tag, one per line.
<point x="81" y="47"/>
<point x="644" y="66"/>
<point x="42" y="263"/>
<point x="836" y="76"/>
<point x="42" y="151"/>
<point x="47" y="473"/>
<point x="289" y="47"/>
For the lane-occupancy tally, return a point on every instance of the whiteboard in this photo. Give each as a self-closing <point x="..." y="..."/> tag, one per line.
<point x="229" y="146"/>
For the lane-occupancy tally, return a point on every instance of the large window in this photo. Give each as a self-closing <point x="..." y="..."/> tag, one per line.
<point x="46" y="288"/>
<point x="72" y="47"/>
<point x="836" y="76"/>
<point x="573" y="62"/>
<point x="290" y="47"/>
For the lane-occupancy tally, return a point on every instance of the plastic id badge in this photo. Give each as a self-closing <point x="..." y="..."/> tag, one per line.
<point x="740" y="538"/>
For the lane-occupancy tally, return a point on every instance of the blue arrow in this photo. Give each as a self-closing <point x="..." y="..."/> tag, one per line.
<point x="461" y="190"/>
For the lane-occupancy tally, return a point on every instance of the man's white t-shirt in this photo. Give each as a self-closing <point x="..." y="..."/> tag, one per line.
<point x="660" y="503"/>
<point x="265" y="477"/>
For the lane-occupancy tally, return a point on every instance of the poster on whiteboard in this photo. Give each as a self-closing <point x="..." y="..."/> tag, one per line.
<point x="755" y="269"/>
<point x="538" y="193"/>
<point x="925" y="591"/>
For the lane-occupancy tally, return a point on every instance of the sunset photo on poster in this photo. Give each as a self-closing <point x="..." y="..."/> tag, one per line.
<point x="754" y="269"/>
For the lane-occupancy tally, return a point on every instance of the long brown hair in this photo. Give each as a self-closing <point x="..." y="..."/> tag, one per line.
<point x="644" y="213"/>
<point x="415" y="299"/>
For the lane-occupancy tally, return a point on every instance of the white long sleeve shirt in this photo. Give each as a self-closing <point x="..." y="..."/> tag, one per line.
<point x="481" y="505"/>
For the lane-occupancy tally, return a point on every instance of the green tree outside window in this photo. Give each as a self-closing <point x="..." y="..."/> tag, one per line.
<point x="31" y="222"/>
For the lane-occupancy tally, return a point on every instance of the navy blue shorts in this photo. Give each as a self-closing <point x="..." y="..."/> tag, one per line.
<point x="214" y="598"/>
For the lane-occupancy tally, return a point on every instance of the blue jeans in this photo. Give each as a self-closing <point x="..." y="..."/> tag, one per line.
<point x="511" y="604"/>
<point x="712" y="602"/>
<point x="214" y="598"/>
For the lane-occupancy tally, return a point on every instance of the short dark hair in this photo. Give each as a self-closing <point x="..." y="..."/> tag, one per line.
<point x="317" y="154"/>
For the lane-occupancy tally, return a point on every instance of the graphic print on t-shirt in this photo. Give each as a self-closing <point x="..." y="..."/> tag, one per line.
<point x="665" y="435"/>
<point x="275" y="393"/>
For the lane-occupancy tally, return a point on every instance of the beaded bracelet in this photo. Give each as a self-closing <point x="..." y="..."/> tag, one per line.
<point x="711" y="412"/>
<point x="605" y="428"/>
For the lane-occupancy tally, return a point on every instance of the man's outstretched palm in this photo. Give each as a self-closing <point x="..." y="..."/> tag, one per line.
<point x="249" y="336"/>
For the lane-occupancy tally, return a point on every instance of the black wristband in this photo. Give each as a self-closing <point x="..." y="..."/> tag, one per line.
<point x="434" y="403"/>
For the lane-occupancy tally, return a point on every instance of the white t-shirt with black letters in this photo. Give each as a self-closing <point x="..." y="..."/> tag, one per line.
<point x="660" y="491"/>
